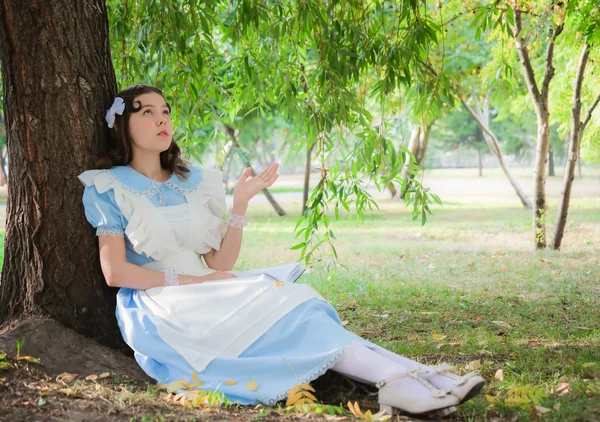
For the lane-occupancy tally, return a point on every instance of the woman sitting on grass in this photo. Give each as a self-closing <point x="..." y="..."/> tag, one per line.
<point x="158" y="218"/>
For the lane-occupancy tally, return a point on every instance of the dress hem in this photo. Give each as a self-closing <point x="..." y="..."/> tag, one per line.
<point x="330" y="363"/>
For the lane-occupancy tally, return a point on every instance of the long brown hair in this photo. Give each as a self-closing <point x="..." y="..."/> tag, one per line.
<point x="120" y="152"/>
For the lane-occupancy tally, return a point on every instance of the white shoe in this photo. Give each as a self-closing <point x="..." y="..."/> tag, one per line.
<point x="392" y="401"/>
<point x="464" y="387"/>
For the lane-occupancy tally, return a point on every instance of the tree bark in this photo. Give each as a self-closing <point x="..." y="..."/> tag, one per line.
<point x="231" y="133"/>
<point x="307" y="168"/>
<point x="479" y="163"/>
<point x="539" y="98"/>
<point x="576" y="132"/>
<point x="482" y="117"/>
<point x="58" y="79"/>
<point x="551" y="172"/>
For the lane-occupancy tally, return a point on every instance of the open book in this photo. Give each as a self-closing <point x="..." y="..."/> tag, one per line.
<point x="288" y="273"/>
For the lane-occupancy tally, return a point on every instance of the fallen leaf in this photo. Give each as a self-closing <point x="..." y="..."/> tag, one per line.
<point x="490" y="399"/>
<point x="539" y="410"/>
<point x="345" y="322"/>
<point x="30" y="359"/>
<point x="307" y="387"/>
<point x="556" y="406"/>
<point x="471" y="265"/>
<point x="66" y="377"/>
<point x="499" y="375"/>
<point x="68" y="391"/>
<point x="293" y="397"/>
<point x="178" y="385"/>
<point x="42" y="401"/>
<point x="92" y="377"/>
<point x="474" y="365"/>
<point x="230" y="382"/>
<point x="544" y="261"/>
<point x="278" y="283"/>
<point x="563" y="389"/>
<point x="104" y="375"/>
<point x="251" y="386"/>
<point x="589" y="364"/>
<point x="438" y="337"/>
<point x="195" y="377"/>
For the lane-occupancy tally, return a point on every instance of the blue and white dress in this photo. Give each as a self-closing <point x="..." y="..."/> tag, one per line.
<point x="243" y="329"/>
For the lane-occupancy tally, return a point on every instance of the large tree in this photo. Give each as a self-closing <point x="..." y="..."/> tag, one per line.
<point x="57" y="79"/>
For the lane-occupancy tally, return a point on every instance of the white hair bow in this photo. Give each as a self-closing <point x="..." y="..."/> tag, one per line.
<point x="117" y="108"/>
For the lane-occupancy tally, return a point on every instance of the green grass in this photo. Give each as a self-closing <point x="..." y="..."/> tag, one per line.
<point x="471" y="275"/>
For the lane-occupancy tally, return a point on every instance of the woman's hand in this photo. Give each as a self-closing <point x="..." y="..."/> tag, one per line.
<point x="245" y="188"/>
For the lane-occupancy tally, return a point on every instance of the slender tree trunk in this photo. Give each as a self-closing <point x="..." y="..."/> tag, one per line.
<point x="576" y="132"/>
<point x="579" y="161"/>
<point x="58" y="81"/>
<point x="539" y="98"/>
<point x="482" y="118"/>
<point x="307" y="168"/>
<point x="393" y="190"/>
<point x="413" y="146"/>
<point x="479" y="163"/>
<point x="551" y="163"/>
<point x="423" y="144"/>
<point x="231" y="133"/>
<point x="420" y="150"/>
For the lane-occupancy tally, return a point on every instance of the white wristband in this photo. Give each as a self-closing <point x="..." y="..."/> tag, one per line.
<point x="171" y="278"/>
<point x="236" y="221"/>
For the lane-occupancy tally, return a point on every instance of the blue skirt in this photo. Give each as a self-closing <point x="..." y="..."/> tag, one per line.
<point x="299" y="348"/>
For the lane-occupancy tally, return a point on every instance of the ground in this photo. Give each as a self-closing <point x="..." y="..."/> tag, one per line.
<point x="467" y="288"/>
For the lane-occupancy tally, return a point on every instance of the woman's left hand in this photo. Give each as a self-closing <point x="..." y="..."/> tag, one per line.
<point x="245" y="188"/>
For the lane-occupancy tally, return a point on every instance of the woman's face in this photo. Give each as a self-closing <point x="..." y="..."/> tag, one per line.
<point x="151" y="128"/>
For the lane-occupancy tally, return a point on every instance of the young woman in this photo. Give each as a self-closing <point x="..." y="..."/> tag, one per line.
<point x="168" y="243"/>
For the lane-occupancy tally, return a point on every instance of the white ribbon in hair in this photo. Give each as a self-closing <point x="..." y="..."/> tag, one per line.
<point x="118" y="107"/>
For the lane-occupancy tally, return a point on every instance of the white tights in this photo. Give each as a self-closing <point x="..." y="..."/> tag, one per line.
<point x="371" y="366"/>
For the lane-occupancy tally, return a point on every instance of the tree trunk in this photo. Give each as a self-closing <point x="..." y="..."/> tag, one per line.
<point x="482" y="117"/>
<point x="231" y="133"/>
<point x="551" y="163"/>
<point x="413" y="146"/>
<point x="579" y="161"/>
<point x="573" y="151"/>
<point x="479" y="163"/>
<point x="307" y="168"/>
<point x="539" y="97"/>
<point x="423" y="143"/>
<point x="58" y="80"/>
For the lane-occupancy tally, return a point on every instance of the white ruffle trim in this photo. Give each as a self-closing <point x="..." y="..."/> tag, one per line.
<point x="316" y="373"/>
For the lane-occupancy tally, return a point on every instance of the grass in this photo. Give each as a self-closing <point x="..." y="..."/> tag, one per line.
<point x="468" y="289"/>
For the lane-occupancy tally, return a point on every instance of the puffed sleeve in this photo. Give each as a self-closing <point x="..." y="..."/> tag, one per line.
<point x="102" y="212"/>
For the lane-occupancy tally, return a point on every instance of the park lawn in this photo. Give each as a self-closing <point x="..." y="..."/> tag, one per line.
<point x="468" y="289"/>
